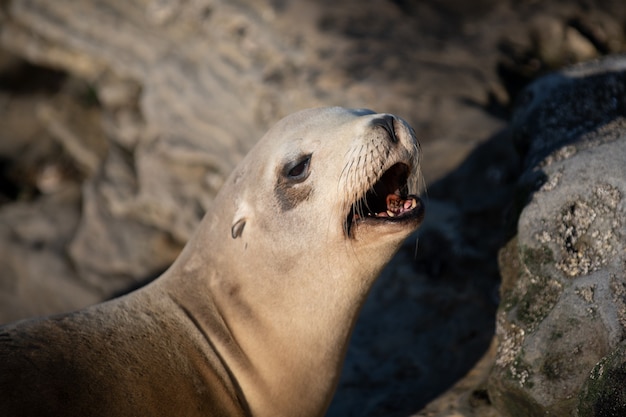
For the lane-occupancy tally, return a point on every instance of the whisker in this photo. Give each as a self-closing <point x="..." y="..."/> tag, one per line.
<point x="346" y="168"/>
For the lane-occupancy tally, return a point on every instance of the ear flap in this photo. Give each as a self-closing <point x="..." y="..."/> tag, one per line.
<point x="237" y="229"/>
<point x="243" y="212"/>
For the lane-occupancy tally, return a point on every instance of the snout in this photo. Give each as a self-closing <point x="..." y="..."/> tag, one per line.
<point x="388" y="123"/>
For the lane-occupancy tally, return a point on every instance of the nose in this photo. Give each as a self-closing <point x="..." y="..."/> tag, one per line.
<point x="387" y="123"/>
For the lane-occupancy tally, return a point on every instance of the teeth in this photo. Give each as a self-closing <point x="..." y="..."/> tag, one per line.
<point x="396" y="207"/>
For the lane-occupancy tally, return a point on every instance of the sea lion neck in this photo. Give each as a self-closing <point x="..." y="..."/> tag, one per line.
<point x="276" y="339"/>
<point x="273" y="278"/>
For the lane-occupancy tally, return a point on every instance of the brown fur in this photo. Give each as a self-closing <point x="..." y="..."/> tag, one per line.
<point x="254" y="316"/>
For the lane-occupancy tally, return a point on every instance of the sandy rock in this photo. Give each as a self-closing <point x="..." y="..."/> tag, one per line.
<point x="37" y="278"/>
<point x="113" y="248"/>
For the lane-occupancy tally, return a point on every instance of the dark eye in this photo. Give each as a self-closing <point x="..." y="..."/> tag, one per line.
<point x="298" y="170"/>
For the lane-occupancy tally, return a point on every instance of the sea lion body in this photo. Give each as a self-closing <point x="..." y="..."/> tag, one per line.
<point x="113" y="359"/>
<point x="254" y="317"/>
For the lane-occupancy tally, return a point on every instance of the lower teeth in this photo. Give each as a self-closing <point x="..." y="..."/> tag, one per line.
<point x="406" y="205"/>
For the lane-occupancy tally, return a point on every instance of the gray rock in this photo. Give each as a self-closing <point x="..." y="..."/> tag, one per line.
<point x="567" y="108"/>
<point x="604" y="393"/>
<point x="562" y="307"/>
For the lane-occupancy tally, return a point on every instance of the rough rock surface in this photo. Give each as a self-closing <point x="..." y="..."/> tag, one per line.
<point x="604" y="392"/>
<point x="121" y="118"/>
<point x="563" y="307"/>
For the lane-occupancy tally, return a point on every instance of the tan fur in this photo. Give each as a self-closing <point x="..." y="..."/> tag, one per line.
<point x="254" y="317"/>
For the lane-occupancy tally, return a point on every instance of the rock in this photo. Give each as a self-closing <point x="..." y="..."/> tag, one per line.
<point x="468" y="397"/>
<point x="37" y="279"/>
<point x="604" y="392"/>
<point x="113" y="248"/>
<point x="552" y="114"/>
<point x="556" y="36"/>
<point x="556" y="43"/>
<point x="562" y="310"/>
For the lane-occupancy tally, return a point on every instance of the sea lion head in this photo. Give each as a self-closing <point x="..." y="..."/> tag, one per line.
<point x="328" y="182"/>
<point x="281" y="263"/>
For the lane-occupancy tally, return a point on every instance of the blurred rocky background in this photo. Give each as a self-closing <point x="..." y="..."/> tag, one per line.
<point x="119" y="120"/>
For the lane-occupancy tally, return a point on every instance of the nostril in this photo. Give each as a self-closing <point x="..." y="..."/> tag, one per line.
<point x="386" y="122"/>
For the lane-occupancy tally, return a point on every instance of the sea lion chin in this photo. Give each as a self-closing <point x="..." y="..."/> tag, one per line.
<point x="254" y="317"/>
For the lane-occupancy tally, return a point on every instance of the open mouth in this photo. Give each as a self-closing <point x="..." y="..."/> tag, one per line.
<point x="388" y="200"/>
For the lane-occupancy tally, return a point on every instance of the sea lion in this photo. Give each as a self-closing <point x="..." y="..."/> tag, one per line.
<point x="254" y="316"/>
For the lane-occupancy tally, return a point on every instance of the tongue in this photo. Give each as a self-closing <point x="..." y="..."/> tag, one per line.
<point x="396" y="206"/>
